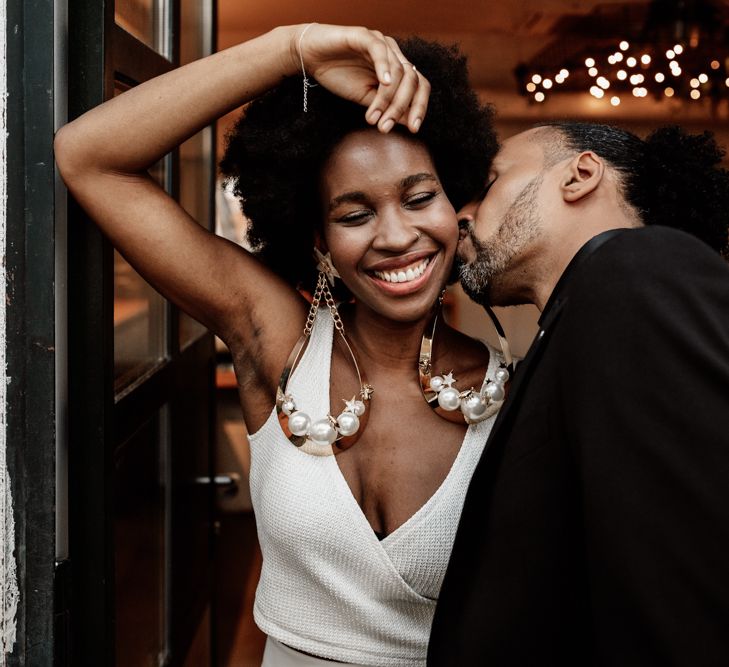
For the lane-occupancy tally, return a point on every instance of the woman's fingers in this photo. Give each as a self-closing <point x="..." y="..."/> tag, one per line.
<point x="367" y="67"/>
<point x="405" y="99"/>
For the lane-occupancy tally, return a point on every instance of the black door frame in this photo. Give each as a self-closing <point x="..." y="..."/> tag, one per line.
<point x="30" y="311"/>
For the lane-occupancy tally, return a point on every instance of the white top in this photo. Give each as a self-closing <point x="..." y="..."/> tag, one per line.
<point x="329" y="586"/>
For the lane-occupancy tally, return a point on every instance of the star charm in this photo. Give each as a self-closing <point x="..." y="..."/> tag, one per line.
<point x="350" y="404"/>
<point x="448" y="380"/>
<point x="324" y="264"/>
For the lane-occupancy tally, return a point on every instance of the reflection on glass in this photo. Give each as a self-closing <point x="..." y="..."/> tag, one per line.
<point x="144" y="19"/>
<point x="196" y="158"/>
<point x="141" y="483"/>
<point x="195" y="29"/>
<point x="139" y="325"/>
<point x="195" y="166"/>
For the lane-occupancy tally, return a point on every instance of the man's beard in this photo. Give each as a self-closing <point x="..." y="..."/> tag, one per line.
<point x="481" y="278"/>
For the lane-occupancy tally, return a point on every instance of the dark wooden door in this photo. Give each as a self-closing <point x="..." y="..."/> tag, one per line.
<point x="141" y="380"/>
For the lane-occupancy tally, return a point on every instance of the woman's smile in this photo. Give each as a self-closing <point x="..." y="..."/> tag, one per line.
<point x="391" y="230"/>
<point x="404" y="277"/>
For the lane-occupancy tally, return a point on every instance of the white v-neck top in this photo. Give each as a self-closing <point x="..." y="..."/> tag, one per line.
<point x="329" y="586"/>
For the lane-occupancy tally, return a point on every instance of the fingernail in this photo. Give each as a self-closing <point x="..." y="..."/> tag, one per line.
<point x="416" y="123"/>
<point x="386" y="78"/>
<point x="375" y="116"/>
<point x="387" y="125"/>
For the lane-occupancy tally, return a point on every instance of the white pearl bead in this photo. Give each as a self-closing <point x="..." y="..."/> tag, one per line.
<point x="288" y="407"/>
<point x="495" y="391"/>
<point x="359" y="408"/>
<point x="474" y="407"/>
<point x="322" y="432"/>
<point x="347" y="423"/>
<point x="299" y="423"/>
<point x="501" y="375"/>
<point x="449" y="399"/>
<point x="436" y="383"/>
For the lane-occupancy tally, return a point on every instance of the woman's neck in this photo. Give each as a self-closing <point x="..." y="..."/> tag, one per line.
<point x="383" y="342"/>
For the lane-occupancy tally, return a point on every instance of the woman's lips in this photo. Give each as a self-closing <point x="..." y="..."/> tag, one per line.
<point x="415" y="275"/>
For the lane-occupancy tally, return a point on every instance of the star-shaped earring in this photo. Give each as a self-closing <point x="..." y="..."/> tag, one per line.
<point x="324" y="264"/>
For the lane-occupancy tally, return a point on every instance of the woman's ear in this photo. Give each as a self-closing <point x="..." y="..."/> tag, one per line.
<point x="319" y="242"/>
<point x="584" y="175"/>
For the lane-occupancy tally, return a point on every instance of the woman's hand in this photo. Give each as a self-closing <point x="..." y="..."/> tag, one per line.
<point x="366" y="67"/>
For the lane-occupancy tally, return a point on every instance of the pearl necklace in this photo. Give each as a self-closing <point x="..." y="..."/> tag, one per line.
<point x="439" y="392"/>
<point x="318" y="437"/>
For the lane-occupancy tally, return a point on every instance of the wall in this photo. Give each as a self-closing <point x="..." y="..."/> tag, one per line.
<point x="8" y="579"/>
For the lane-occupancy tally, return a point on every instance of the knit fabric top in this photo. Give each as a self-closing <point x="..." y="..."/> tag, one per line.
<point x="329" y="586"/>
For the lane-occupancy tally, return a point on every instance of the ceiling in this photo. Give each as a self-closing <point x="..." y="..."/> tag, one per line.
<point x="496" y="36"/>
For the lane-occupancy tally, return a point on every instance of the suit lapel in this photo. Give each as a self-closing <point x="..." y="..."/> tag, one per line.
<point x="523" y="372"/>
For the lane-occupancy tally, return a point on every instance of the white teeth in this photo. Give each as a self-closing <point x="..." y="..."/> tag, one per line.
<point x="406" y="275"/>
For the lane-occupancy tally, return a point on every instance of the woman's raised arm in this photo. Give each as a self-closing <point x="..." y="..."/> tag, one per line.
<point x="103" y="157"/>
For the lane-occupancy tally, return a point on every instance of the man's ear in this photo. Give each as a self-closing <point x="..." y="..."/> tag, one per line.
<point x="584" y="175"/>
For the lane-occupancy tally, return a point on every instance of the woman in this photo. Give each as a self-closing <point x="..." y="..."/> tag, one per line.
<point x="354" y="546"/>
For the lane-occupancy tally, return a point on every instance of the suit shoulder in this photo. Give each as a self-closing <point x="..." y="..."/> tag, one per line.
<point x="650" y="255"/>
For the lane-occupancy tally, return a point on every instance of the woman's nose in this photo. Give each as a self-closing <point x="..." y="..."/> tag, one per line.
<point x="395" y="233"/>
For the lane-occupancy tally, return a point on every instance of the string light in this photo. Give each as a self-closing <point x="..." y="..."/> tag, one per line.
<point x="639" y="70"/>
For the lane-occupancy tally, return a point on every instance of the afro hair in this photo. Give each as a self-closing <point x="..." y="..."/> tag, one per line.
<point x="275" y="153"/>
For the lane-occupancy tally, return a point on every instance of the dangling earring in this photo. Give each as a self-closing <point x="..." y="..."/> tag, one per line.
<point x="324" y="265"/>
<point x="317" y="437"/>
<point x="439" y="392"/>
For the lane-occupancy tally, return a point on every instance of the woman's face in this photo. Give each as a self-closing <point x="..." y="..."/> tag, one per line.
<point x="388" y="224"/>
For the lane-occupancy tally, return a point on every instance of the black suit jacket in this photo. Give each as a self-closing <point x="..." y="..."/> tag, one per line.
<point x="596" y="527"/>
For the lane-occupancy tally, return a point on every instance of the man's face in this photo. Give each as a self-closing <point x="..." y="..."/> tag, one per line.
<point x="506" y="224"/>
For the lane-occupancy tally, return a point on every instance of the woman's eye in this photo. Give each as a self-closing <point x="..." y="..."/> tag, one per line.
<point x="420" y="198"/>
<point x="354" y="217"/>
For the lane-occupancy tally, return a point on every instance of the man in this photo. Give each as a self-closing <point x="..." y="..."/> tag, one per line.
<point x="596" y="527"/>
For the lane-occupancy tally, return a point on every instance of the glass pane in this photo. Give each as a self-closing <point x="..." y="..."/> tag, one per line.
<point x="196" y="158"/>
<point x="139" y="325"/>
<point x="145" y="19"/>
<point x="195" y="30"/>
<point x="141" y="493"/>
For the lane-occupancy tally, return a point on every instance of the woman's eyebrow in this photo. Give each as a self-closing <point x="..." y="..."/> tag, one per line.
<point x="355" y="197"/>
<point x="409" y="181"/>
